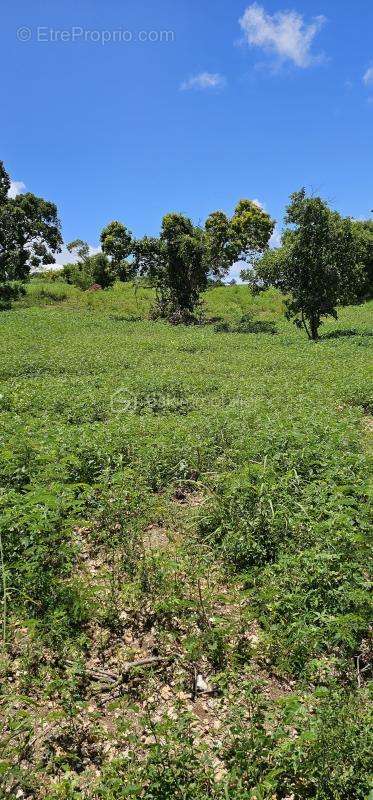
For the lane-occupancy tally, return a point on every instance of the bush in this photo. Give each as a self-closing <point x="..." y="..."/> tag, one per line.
<point x="48" y="275"/>
<point x="10" y="292"/>
<point x="326" y="758"/>
<point x="246" y="325"/>
<point x="222" y="327"/>
<point x="54" y="295"/>
<point x="88" y="271"/>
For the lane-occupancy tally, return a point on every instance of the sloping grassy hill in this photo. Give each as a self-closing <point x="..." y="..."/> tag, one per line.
<point x="184" y="537"/>
<point x="229" y="302"/>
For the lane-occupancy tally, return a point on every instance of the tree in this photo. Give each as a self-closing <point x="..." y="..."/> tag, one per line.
<point x="101" y="270"/>
<point x="364" y="229"/>
<point x="320" y="263"/>
<point x="29" y="236"/>
<point x="117" y="243"/>
<point x="182" y="260"/>
<point x="30" y="233"/>
<point x="79" y="248"/>
<point x="88" y="269"/>
<point x="4" y="184"/>
<point x="266" y="272"/>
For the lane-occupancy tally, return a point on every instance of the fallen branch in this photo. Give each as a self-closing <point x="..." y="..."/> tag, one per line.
<point x="361" y="670"/>
<point x="114" y="680"/>
<point x="142" y="662"/>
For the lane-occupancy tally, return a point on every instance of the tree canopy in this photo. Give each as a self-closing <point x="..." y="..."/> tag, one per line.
<point x="117" y="243"/>
<point x="181" y="260"/>
<point x="30" y="232"/>
<point x="30" y="235"/>
<point x="364" y="229"/>
<point x="319" y="266"/>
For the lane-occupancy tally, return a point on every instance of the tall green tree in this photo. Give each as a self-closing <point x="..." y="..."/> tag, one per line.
<point x="117" y="243"/>
<point x="319" y="266"/>
<point x="180" y="262"/>
<point x="30" y="236"/>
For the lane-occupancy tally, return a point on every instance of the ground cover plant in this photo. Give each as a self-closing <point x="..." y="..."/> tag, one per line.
<point x="184" y="549"/>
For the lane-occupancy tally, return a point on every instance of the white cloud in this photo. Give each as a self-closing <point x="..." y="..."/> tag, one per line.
<point x="234" y="272"/>
<point x="285" y="33"/>
<point x="94" y="250"/>
<point x="275" y="240"/>
<point x="368" y="77"/>
<point x="16" y="187"/>
<point x="259" y="203"/>
<point x="204" y="80"/>
<point x="65" y="257"/>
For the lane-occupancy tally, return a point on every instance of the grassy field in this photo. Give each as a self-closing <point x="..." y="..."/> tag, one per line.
<point x="199" y="500"/>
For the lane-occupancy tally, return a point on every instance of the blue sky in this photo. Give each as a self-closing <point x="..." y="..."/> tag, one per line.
<point x="221" y="100"/>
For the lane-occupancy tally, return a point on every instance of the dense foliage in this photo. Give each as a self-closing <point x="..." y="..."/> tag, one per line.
<point x="117" y="243"/>
<point x="320" y="265"/>
<point x="364" y="229"/>
<point x="180" y="261"/>
<point x="29" y="237"/>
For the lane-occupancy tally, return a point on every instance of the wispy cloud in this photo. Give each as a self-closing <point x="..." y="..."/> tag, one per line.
<point x="368" y="77"/>
<point x="285" y="34"/>
<point x="204" y="80"/>
<point x="16" y="187"/>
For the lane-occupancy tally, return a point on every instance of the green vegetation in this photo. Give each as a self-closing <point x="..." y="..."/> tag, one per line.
<point x="324" y="261"/>
<point x="364" y="229"/>
<point x="88" y="270"/>
<point x="180" y="261"/>
<point x="29" y="237"/>
<point x="117" y="243"/>
<point x="200" y="500"/>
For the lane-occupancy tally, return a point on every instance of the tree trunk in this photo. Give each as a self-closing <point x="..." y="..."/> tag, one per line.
<point x="314" y="325"/>
<point x="305" y="325"/>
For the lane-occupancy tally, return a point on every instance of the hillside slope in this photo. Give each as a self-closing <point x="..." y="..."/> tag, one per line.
<point x="184" y="534"/>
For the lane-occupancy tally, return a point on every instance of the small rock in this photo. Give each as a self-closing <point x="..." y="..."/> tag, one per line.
<point x="201" y="685"/>
<point x="166" y="692"/>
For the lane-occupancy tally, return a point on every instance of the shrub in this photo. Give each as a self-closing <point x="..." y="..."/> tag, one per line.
<point x="10" y="292"/>
<point x="222" y="327"/>
<point x="55" y="295"/>
<point x="326" y="758"/>
<point x="246" y="325"/>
